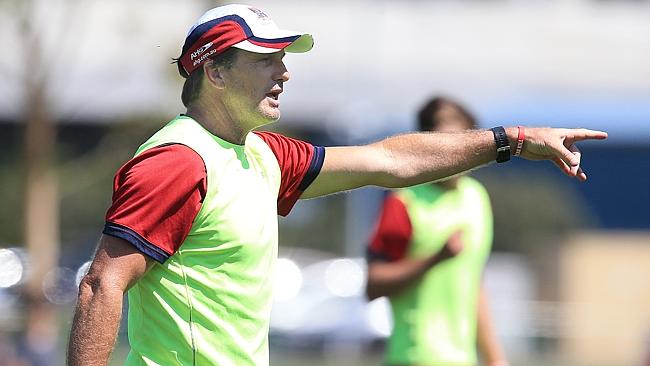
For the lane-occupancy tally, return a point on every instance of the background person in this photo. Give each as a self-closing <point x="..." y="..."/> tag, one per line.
<point x="427" y="255"/>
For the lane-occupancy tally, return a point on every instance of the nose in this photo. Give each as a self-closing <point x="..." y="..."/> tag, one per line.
<point x="282" y="74"/>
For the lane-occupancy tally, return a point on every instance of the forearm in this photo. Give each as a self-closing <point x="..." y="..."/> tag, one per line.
<point x="423" y="157"/>
<point x="488" y="343"/>
<point x="390" y="278"/>
<point x="416" y="158"/>
<point x="95" y="325"/>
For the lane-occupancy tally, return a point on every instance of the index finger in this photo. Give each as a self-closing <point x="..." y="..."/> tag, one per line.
<point x="579" y="134"/>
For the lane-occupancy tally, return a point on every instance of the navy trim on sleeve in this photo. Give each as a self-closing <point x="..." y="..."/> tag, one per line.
<point x="372" y="256"/>
<point x="314" y="168"/>
<point x="142" y="244"/>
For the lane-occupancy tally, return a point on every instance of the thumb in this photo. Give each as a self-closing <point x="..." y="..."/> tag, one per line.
<point x="576" y="153"/>
<point x="566" y="155"/>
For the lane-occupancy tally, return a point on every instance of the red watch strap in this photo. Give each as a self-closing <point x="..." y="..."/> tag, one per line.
<point x="521" y="137"/>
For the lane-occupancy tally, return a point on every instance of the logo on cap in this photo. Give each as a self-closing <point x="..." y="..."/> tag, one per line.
<point x="198" y="52"/>
<point x="260" y="14"/>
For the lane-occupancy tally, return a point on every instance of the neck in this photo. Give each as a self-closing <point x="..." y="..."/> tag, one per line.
<point x="218" y="122"/>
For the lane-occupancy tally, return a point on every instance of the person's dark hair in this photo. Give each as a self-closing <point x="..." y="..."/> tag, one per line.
<point x="193" y="82"/>
<point x="426" y="115"/>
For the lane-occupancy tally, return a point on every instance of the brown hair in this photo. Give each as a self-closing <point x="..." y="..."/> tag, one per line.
<point x="426" y="115"/>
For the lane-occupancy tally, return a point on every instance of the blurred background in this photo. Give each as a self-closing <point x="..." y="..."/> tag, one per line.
<point x="83" y="83"/>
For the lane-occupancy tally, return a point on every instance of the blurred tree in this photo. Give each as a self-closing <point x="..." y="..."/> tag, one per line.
<point x="41" y="231"/>
<point x="48" y="179"/>
<point x="44" y="31"/>
<point x="41" y="202"/>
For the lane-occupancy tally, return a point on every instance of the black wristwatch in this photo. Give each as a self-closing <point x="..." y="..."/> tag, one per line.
<point x="503" y="145"/>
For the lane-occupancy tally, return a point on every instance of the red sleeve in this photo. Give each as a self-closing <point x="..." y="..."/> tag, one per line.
<point x="156" y="197"/>
<point x="300" y="163"/>
<point x="393" y="233"/>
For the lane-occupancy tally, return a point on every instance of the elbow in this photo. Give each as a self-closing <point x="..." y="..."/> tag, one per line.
<point x="374" y="287"/>
<point x="398" y="175"/>
<point x="390" y="171"/>
<point x="87" y="286"/>
<point x="371" y="295"/>
<point x="92" y="285"/>
<point x="396" y="178"/>
<point x="373" y="291"/>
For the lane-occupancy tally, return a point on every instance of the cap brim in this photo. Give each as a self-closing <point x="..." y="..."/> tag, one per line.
<point x="303" y="43"/>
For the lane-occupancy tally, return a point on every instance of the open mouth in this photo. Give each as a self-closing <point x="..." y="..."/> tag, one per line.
<point x="274" y="93"/>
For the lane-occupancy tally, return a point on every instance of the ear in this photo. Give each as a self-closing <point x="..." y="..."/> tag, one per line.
<point x="213" y="75"/>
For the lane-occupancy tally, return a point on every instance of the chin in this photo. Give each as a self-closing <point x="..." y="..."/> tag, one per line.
<point x="270" y="116"/>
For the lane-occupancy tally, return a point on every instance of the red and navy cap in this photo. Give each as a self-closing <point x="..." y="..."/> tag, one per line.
<point x="240" y="26"/>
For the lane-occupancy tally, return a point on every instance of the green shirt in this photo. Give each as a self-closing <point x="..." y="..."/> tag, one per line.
<point x="210" y="302"/>
<point x="435" y="321"/>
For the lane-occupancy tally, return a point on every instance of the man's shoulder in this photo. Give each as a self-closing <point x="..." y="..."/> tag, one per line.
<point x="181" y="130"/>
<point x="271" y="139"/>
<point x="167" y="158"/>
<point x="286" y="149"/>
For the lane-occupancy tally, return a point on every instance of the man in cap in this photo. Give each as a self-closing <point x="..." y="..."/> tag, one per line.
<point x="192" y="230"/>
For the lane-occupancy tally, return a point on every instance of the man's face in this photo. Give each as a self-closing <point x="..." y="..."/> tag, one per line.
<point x="252" y="87"/>
<point x="450" y="119"/>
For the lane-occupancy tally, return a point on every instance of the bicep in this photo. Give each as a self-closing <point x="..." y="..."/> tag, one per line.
<point x="118" y="263"/>
<point x="349" y="167"/>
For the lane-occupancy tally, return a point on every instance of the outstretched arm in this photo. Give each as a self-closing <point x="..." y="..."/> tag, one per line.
<point x="415" y="158"/>
<point x="116" y="266"/>
<point x="390" y="278"/>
